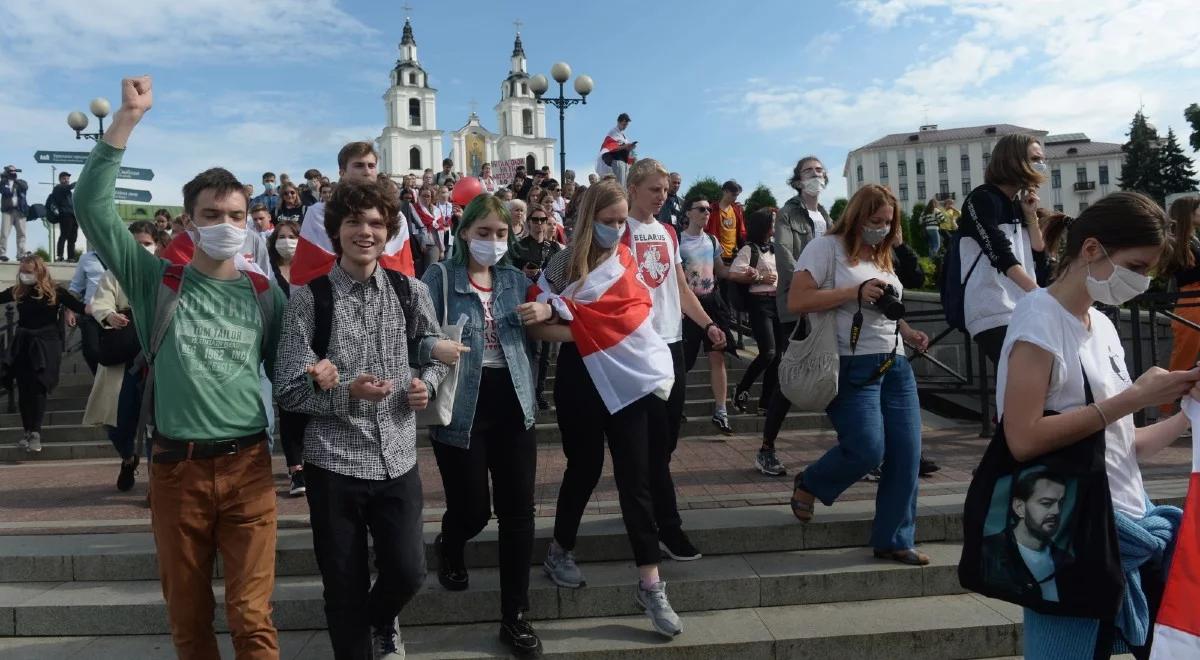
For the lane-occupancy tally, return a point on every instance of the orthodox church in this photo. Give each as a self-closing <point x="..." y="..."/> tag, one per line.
<point x="412" y="142"/>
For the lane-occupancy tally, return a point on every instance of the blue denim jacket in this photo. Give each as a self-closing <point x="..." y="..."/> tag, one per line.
<point x="509" y="287"/>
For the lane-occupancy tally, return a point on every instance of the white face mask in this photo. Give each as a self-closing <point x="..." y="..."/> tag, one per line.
<point x="1120" y="287"/>
<point x="221" y="242"/>
<point x="286" y="247"/>
<point x="1039" y="167"/>
<point x="28" y="279"/>
<point x="487" y="253"/>
<point x="813" y="186"/>
<point x="151" y="248"/>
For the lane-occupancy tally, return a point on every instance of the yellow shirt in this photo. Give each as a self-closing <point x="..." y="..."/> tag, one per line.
<point x="727" y="235"/>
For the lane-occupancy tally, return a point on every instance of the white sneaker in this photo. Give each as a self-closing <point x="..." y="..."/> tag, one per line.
<point x="23" y="443"/>
<point x="658" y="608"/>
<point x="35" y="442"/>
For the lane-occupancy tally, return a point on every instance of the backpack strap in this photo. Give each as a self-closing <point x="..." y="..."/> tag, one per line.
<point x="755" y="253"/>
<point x="166" y="301"/>
<point x="322" y="291"/>
<point x="403" y="289"/>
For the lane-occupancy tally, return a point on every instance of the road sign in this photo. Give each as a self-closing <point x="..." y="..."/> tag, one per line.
<point x="131" y="195"/>
<point x="61" y="157"/>
<point x="135" y="173"/>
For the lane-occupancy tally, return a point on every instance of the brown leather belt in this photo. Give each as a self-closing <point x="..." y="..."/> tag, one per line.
<point x="174" y="451"/>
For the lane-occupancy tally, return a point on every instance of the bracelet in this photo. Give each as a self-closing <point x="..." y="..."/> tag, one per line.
<point x="1103" y="417"/>
<point x="711" y="324"/>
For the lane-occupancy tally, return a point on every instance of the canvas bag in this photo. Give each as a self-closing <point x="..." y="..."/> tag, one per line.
<point x="808" y="371"/>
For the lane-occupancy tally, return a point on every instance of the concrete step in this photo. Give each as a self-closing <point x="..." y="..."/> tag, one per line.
<point x="52" y="418"/>
<point x="721" y="582"/>
<point x="930" y="628"/>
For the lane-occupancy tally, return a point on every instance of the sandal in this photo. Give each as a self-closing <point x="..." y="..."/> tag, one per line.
<point x="911" y="556"/>
<point x="802" y="507"/>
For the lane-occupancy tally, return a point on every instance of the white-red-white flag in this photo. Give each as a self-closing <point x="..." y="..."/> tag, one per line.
<point x="609" y="315"/>
<point x="1177" y="629"/>
<point x="314" y="251"/>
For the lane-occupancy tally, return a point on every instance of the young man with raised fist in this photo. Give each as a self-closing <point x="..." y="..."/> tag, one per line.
<point x="205" y="328"/>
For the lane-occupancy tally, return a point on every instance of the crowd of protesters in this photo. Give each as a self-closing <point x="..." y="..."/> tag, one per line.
<point x="436" y="309"/>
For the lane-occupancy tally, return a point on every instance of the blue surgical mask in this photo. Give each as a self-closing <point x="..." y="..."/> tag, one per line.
<point x="606" y="236"/>
<point x="269" y="186"/>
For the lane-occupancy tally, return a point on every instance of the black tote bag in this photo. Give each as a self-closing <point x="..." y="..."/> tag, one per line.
<point x="1041" y="534"/>
<point x="118" y="346"/>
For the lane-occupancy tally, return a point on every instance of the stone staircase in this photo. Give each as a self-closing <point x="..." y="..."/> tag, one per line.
<point x="767" y="587"/>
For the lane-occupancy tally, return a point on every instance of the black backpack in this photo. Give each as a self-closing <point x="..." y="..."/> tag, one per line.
<point x="52" y="209"/>
<point x="322" y="290"/>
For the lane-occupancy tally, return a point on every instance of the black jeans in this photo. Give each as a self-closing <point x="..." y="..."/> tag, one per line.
<point x="501" y="445"/>
<point x="343" y="509"/>
<point x="68" y="229"/>
<point x="583" y="434"/>
<point x="542" y="352"/>
<point x="291" y="436"/>
<point x="991" y="342"/>
<point x="89" y="340"/>
<point x="768" y="334"/>
<point x="778" y="406"/>
<point x="663" y="437"/>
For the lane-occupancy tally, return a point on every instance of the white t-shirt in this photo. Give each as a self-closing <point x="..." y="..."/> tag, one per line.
<point x="1041" y="320"/>
<point x="819" y="224"/>
<point x="825" y="257"/>
<point x="656" y="251"/>
<point x="766" y="265"/>
<point x="1041" y="566"/>
<point x="493" y="352"/>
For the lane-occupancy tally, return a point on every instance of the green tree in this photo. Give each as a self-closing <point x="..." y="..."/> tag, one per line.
<point x="1175" y="168"/>
<point x="839" y="207"/>
<point x="707" y="187"/>
<point x="914" y="233"/>
<point x="1141" y="170"/>
<point x="761" y="198"/>
<point x="1192" y="114"/>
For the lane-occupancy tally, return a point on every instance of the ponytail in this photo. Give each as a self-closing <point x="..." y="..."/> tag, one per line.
<point x="1121" y="220"/>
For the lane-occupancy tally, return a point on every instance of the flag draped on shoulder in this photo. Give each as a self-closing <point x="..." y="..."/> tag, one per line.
<point x="1177" y="629"/>
<point x="609" y="315"/>
<point x="614" y="146"/>
<point x="315" y="256"/>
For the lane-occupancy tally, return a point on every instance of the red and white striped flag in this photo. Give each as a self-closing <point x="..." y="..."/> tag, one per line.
<point x="1177" y="630"/>
<point x="314" y="252"/>
<point x="610" y="323"/>
<point x="614" y="141"/>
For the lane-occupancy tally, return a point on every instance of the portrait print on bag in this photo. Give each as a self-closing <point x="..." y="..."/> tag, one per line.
<point x="1026" y="546"/>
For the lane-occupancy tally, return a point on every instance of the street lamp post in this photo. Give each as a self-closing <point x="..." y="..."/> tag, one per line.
<point x="561" y="71"/>
<point x="79" y="121"/>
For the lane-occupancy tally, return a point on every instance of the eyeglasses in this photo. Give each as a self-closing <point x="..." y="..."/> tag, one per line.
<point x="539" y="220"/>
<point x="702" y="209"/>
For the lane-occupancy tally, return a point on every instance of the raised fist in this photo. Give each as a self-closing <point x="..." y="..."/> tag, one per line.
<point x="137" y="95"/>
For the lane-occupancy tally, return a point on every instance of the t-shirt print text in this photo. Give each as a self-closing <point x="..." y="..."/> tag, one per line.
<point x="654" y="261"/>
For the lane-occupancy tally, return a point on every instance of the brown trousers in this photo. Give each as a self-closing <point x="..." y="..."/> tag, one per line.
<point x="202" y="506"/>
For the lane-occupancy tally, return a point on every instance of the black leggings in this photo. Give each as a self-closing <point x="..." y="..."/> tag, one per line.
<point x="991" y="342"/>
<point x="583" y="434"/>
<point x="768" y="334"/>
<point x="31" y="394"/>
<point x="778" y="406"/>
<point x="68" y="229"/>
<point x="665" y="419"/>
<point x="501" y="445"/>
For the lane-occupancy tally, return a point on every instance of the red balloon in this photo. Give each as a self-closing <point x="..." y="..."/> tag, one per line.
<point x="465" y="190"/>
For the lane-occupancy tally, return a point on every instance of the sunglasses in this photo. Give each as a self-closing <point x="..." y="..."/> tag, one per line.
<point x="539" y="220"/>
<point x="702" y="209"/>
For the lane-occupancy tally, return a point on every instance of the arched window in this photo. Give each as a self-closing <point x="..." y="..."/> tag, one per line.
<point x="414" y="112"/>
<point x="527" y="122"/>
<point x="414" y="159"/>
<point x="412" y="79"/>
<point x="530" y="162"/>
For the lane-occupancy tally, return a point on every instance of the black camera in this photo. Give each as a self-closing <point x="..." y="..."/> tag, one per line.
<point x="889" y="303"/>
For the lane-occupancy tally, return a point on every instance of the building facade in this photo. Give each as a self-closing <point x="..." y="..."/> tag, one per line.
<point x="940" y="163"/>
<point x="411" y="141"/>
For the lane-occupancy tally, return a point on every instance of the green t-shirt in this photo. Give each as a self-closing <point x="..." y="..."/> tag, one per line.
<point x="207" y="369"/>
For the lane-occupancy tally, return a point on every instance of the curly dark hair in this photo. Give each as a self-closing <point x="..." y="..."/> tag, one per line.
<point x="353" y="198"/>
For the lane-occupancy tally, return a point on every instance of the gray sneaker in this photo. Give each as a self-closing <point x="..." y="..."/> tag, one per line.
<point x="658" y="608"/>
<point x="769" y="464"/>
<point x="35" y="442"/>
<point x="23" y="444"/>
<point x="560" y="567"/>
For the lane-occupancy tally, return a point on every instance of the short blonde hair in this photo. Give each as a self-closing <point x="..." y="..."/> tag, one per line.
<point x="644" y="169"/>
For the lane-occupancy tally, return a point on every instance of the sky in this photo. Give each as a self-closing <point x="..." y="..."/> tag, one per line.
<point x="714" y="89"/>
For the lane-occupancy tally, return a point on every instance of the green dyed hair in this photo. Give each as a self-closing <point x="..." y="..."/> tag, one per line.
<point x="479" y="208"/>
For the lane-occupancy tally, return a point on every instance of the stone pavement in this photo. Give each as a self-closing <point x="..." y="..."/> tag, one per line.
<point x="711" y="471"/>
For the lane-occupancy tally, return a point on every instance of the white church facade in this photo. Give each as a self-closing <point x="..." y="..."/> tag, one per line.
<point x="411" y="141"/>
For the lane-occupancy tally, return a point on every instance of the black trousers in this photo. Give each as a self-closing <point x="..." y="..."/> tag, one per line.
<point x="663" y="437"/>
<point x="343" y="510"/>
<point x="778" y="406"/>
<point x="991" y="342"/>
<point x="68" y="229"/>
<point x="89" y="340"/>
<point x="583" y="434"/>
<point x="768" y="334"/>
<point x="502" y="446"/>
<point x="31" y="399"/>
<point x="539" y="350"/>
<point x="291" y="436"/>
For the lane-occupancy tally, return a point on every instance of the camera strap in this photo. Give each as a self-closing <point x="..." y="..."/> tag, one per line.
<point x="856" y="332"/>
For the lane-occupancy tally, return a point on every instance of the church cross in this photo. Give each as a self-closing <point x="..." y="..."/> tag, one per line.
<point x="517" y="23"/>
<point x="407" y="10"/>
<point x="474" y="105"/>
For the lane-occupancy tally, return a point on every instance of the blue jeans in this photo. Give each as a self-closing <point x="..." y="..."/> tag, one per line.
<point x="933" y="237"/>
<point x="879" y="423"/>
<point x="129" y="408"/>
